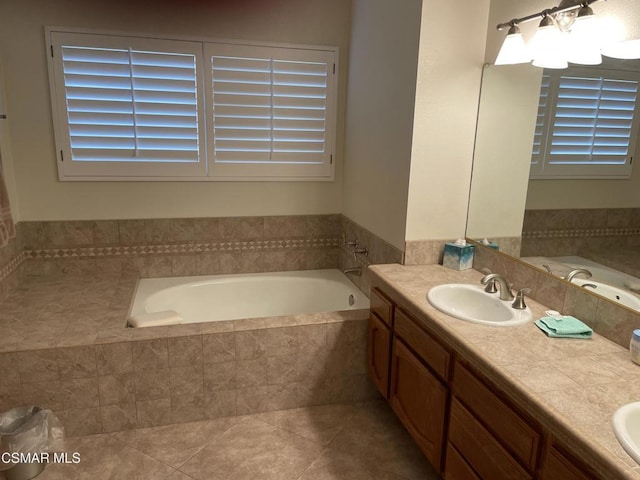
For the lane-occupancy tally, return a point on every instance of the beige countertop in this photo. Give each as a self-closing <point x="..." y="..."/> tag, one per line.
<point x="571" y="386"/>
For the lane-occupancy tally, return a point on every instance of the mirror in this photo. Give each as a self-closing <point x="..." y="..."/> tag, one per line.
<point x="546" y="221"/>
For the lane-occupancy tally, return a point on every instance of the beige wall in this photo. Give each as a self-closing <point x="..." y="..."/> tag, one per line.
<point x="506" y="126"/>
<point x="450" y="61"/>
<point x="6" y="154"/>
<point x="22" y="50"/>
<point x="382" y="77"/>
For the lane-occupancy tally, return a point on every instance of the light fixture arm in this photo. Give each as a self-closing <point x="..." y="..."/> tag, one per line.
<point x="544" y="13"/>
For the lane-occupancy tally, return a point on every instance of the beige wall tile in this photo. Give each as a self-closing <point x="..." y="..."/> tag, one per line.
<point x="312" y="338"/>
<point x="152" y="384"/>
<point x="187" y="408"/>
<point x="251" y="344"/>
<point x="117" y="389"/>
<point x="37" y="366"/>
<point x="44" y="394"/>
<point x="80" y="421"/>
<point x="9" y="372"/>
<point x="77" y="362"/>
<point x="218" y="347"/>
<point x="115" y="418"/>
<point x="281" y="397"/>
<point x="251" y="373"/>
<point x="282" y="369"/>
<point x="186" y="380"/>
<point x="219" y="377"/>
<point x="80" y="393"/>
<point x="11" y="395"/>
<point x="185" y="351"/>
<point x="252" y="400"/>
<point x="220" y="404"/>
<point x="153" y="413"/>
<point x="282" y="341"/>
<point x="114" y="358"/>
<point x="150" y="354"/>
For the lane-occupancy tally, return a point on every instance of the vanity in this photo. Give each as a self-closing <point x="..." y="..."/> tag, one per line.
<point x="492" y="403"/>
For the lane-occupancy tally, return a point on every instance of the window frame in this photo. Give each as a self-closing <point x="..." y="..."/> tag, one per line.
<point x="205" y="171"/>
<point x="541" y="169"/>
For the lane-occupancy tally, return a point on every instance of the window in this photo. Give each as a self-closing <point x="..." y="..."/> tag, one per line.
<point x="587" y="124"/>
<point x="133" y="108"/>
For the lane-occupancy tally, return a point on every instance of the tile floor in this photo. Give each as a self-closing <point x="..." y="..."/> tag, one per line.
<point x="332" y="442"/>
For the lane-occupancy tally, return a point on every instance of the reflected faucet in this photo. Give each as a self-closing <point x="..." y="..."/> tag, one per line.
<point x="577" y="271"/>
<point x="505" y="289"/>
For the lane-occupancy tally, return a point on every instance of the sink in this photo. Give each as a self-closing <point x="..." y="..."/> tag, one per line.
<point x="473" y="304"/>
<point x="626" y="426"/>
<point x="615" y="294"/>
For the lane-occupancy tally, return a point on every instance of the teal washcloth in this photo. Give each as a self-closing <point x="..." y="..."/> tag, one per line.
<point x="564" y="326"/>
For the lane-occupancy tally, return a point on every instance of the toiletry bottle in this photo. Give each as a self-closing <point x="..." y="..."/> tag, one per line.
<point x="634" y="347"/>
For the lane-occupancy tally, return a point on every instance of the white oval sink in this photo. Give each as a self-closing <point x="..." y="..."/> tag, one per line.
<point x="615" y="294"/>
<point x="473" y="304"/>
<point x="626" y="426"/>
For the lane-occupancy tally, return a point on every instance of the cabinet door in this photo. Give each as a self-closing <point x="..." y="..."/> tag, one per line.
<point x="419" y="400"/>
<point x="558" y="466"/>
<point x="378" y="354"/>
<point x="456" y="468"/>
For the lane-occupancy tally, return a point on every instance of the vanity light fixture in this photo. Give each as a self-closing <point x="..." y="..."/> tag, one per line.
<point x="567" y="33"/>
<point x="514" y="50"/>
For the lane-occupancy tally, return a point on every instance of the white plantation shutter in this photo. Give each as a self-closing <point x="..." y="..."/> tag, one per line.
<point x="129" y="101"/>
<point x="137" y="108"/>
<point x="589" y="124"/>
<point x="272" y="112"/>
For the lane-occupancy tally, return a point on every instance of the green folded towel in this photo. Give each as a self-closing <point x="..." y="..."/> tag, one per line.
<point x="564" y="327"/>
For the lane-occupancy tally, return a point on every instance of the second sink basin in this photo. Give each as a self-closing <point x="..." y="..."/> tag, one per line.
<point x="626" y="426"/>
<point x="473" y="304"/>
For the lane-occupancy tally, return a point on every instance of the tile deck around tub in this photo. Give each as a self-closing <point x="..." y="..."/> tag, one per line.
<point x="64" y="347"/>
<point x="333" y="442"/>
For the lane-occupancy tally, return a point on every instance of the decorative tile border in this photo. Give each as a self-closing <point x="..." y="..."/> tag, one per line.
<point x="579" y="233"/>
<point x="12" y="266"/>
<point x="181" y="248"/>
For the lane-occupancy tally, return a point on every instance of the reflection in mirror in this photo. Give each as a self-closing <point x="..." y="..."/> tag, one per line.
<point x="561" y="223"/>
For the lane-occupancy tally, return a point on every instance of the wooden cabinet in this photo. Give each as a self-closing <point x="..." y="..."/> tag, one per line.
<point x="378" y="354"/>
<point x="419" y="400"/>
<point x="466" y="427"/>
<point x="558" y="465"/>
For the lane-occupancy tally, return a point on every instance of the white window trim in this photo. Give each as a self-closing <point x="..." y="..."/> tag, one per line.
<point x="540" y="170"/>
<point x="164" y="172"/>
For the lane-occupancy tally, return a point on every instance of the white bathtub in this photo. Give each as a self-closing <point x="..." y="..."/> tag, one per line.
<point x="231" y="297"/>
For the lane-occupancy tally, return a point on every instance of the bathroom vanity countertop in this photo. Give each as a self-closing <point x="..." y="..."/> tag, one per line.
<point x="571" y="386"/>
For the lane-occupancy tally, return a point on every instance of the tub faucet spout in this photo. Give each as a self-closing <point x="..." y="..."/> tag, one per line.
<point x="577" y="271"/>
<point x="355" y="270"/>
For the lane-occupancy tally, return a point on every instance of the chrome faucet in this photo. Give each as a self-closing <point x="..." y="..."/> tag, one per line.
<point x="577" y="271"/>
<point x="355" y="270"/>
<point x="505" y="290"/>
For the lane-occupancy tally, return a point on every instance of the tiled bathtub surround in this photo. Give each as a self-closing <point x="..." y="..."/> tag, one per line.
<point x="65" y="348"/>
<point x="575" y="231"/>
<point x="378" y="252"/>
<point x="11" y="261"/>
<point x="607" y="318"/>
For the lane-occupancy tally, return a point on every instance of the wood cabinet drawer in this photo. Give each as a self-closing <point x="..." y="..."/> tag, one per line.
<point x="425" y="346"/>
<point x="456" y="468"/>
<point x="378" y="354"/>
<point x="558" y="466"/>
<point x="520" y="438"/>
<point x="381" y="306"/>
<point x="481" y="450"/>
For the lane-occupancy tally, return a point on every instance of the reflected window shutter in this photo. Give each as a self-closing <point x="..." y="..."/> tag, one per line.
<point x="126" y="105"/>
<point x="593" y="121"/>
<point x="538" y="137"/>
<point x="269" y="111"/>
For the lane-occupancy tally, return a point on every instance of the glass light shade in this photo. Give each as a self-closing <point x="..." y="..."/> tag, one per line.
<point x="513" y="50"/>
<point x="583" y="45"/>
<point x="627" y="50"/>
<point x="549" y="46"/>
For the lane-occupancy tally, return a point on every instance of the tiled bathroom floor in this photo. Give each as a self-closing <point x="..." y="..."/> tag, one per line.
<point x="331" y="442"/>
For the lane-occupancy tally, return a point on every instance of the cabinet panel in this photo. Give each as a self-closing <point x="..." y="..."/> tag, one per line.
<point x="456" y="468"/>
<point x="422" y="343"/>
<point x="381" y="306"/>
<point x="378" y="354"/>
<point x="558" y="466"/>
<point x="507" y="425"/>
<point x="420" y="401"/>
<point x="482" y="452"/>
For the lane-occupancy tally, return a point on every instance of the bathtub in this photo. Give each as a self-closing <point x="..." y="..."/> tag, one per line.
<point x="214" y="298"/>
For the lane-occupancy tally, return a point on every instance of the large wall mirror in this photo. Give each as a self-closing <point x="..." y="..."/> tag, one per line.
<point x="556" y="224"/>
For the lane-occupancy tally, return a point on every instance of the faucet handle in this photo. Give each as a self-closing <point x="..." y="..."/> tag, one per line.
<point x="518" y="303"/>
